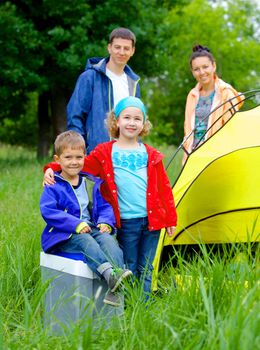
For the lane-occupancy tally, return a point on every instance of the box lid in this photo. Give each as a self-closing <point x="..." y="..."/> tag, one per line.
<point x="73" y="267"/>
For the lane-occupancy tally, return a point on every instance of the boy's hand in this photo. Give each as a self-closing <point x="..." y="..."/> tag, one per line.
<point x="85" y="229"/>
<point x="104" y="228"/>
<point x="170" y="230"/>
<point x="48" y="178"/>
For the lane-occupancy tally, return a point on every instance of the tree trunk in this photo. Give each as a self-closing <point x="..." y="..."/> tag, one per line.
<point x="44" y="124"/>
<point x="58" y="110"/>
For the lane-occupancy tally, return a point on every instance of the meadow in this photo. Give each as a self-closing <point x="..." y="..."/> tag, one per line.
<point x="206" y="300"/>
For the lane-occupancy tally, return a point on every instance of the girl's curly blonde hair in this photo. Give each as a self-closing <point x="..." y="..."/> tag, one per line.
<point x="113" y="129"/>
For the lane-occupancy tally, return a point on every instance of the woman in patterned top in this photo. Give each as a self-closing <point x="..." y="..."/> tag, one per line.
<point x="209" y="93"/>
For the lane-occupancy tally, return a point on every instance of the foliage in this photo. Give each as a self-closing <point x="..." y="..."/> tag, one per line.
<point x="52" y="39"/>
<point x="61" y="29"/>
<point x="56" y="38"/>
<point x="215" y="305"/>
<point x="229" y="29"/>
<point x="46" y="45"/>
<point x="17" y="36"/>
<point x="23" y="129"/>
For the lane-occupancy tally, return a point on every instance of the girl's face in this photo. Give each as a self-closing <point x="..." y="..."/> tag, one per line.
<point x="203" y="70"/>
<point x="130" y="123"/>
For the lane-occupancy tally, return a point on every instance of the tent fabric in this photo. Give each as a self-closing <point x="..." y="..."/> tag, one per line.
<point x="217" y="194"/>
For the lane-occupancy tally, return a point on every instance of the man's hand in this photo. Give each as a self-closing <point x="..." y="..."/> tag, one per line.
<point x="170" y="230"/>
<point x="48" y="178"/>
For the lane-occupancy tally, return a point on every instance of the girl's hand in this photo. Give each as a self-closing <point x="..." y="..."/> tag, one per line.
<point x="170" y="230"/>
<point x="48" y="178"/>
<point x="85" y="229"/>
<point x="104" y="228"/>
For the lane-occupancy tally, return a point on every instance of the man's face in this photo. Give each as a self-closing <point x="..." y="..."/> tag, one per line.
<point x="120" y="51"/>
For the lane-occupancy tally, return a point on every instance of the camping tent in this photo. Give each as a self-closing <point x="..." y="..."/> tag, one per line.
<point x="217" y="193"/>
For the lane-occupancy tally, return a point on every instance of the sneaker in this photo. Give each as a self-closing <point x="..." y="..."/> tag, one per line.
<point x="117" y="277"/>
<point x="112" y="299"/>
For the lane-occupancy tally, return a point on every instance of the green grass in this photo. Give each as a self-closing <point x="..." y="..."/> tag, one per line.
<point x="174" y="165"/>
<point x="214" y="306"/>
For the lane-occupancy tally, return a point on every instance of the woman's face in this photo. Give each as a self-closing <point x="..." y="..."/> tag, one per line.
<point x="203" y="70"/>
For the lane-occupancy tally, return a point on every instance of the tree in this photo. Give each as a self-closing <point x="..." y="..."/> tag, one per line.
<point x="61" y="28"/>
<point x="19" y="62"/>
<point x="229" y="28"/>
<point x="46" y="45"/>
<point x="64" y="34"/>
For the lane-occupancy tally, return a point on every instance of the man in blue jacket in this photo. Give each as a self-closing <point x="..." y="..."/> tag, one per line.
<point x="78" y="218"/>
<point x="98" y="89"/>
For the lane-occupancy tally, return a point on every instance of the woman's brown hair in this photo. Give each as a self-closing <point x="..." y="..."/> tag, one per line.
<point x="201" y="51"/>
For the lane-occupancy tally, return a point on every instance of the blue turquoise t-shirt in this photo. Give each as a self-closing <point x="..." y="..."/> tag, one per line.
<point x="130" y="171"/>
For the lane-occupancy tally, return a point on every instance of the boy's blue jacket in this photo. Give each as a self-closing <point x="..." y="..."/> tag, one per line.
<point x="92" y="99"/>
<point x="61" y="210"/>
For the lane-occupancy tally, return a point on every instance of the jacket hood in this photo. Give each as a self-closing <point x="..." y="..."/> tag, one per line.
<point x="95" y="179"/>
<point x="103" y="151"/>
<point x="99" y="64"/>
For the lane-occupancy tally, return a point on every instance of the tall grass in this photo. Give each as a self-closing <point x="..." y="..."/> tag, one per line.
<point x="206" y="300"/>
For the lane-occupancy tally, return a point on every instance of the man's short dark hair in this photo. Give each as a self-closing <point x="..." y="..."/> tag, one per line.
<point x="123" y="33"/>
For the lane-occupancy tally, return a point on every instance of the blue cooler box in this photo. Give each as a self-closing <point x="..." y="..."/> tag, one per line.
<point x="74" y="293"/>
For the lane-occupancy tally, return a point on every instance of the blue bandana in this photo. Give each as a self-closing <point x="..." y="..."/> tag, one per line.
<point x="129" y="101"/>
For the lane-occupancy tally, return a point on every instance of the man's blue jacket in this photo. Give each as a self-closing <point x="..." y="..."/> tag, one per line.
<point x="92" y="99"/>
<point x="61" y="210"/>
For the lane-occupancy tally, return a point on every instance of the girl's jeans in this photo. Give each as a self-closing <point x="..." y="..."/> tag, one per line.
<point x="139" y="248"/>
<point x="98" y="249"/>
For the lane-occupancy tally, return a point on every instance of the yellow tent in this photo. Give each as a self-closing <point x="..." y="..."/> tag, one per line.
<point x="217" y="193"/>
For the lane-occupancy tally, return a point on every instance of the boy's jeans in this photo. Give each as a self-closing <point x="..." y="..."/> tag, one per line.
<point x="139" y="248"/>
<point x="98" y="248"/>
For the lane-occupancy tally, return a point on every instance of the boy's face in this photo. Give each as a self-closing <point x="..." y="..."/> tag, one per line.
<point x="120" y="51"/>
<point x="71" y="161"/>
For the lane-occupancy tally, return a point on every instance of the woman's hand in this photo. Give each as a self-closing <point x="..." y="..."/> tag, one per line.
<point x="48" y="178"/>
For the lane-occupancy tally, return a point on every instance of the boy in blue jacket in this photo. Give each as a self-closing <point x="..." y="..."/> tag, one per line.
<point x="78" y="218"/>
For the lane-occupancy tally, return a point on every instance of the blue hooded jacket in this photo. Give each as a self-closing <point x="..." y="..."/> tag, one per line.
<point x="61" y="210"/>
<point x="92" y="99"/>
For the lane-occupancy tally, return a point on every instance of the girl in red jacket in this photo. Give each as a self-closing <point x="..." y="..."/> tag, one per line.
<point x="136" y="185"/>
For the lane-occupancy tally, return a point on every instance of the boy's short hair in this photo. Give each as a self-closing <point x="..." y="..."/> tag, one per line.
<point x="68" y="139"/>
<point x="123" y="33"/>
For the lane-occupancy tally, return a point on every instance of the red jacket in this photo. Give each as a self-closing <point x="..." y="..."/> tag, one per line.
<point x="161" y="210"/>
